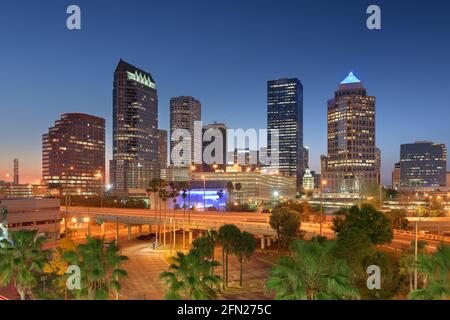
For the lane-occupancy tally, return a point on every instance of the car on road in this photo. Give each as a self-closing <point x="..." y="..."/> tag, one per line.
<point x="146" y="237"/>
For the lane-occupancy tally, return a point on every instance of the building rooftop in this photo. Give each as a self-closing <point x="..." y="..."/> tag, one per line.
<point x="351" y="78"/>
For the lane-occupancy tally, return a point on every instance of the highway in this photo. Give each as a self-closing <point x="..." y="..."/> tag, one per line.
<point x="257" y="224"/>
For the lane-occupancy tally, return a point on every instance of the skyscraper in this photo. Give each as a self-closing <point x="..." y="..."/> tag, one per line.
<point x="209" y="132"/>
<point x="73" y="154"/>
<point x="353" y="161"/>
<point x="285" y="114"/>
<point x="135" y="130"/>
<point x="184" y="112"/>
<point x="162" y="148"/>
<point x="423" y="164"/>
<point x="396" y="176"/>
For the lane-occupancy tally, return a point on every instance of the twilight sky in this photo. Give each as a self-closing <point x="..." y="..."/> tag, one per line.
<point x="223" y="52"/>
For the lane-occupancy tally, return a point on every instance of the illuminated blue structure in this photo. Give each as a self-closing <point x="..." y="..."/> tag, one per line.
<point x="350" y="79"/>
<point x="199" y="199"/>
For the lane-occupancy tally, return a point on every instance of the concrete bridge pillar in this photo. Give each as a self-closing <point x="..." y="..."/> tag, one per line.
<point x="140" y="229"/>
<point x="129" y="232"/>
<point x="262" y="243"/>
<point x="269" y="241"/>
<point x="190" y="237"/>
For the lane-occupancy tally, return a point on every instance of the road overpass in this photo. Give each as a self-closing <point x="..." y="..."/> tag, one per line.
<point x="254" y="223"/>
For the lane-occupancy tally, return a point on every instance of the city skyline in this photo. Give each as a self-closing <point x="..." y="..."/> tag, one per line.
<point x="391" y="79"/>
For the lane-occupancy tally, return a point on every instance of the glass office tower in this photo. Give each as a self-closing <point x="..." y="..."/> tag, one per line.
<point x="135" y="130"/>
<point x="423" y="164"/>
<point x="285" y="114"/>
<point x="73" y="154"/>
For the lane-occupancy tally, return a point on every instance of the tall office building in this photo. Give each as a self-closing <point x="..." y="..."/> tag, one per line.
<point x="285" y="114"/>
<point x="162" y="148"/>
<point x="353" y="161"/>
<point x="211" y="132"/>
<point x="73" y="154"/>
<point x="135" y="130"/>
<point x="396" y="176"/>
<point x="423" y="164"/>
<point x="306" y="157"/>
<point x="184" y="112"/>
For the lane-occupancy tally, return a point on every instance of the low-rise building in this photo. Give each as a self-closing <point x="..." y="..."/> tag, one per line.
<point x="42" y="215"/>
<point x="9" y="190"/>
<point x="256" y="186"/>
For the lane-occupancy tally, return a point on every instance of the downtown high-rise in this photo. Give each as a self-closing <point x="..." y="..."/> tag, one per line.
<point x="73" y="154"/>
<point x="285" y="116"/>
<point x="135" y="130"/>
<point x="423" y="164"/>
<point x="353" y="161"/>
<point x="185" y="113"/>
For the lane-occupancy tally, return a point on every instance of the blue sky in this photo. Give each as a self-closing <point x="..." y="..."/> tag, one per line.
<point x="223" y="52"/>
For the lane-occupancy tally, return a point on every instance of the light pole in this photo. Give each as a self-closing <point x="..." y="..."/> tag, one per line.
<point x="10" y="185"/>
<point x="100" y="176"/>
<point x="204" y="193"/>
<point x="323" y="183"/>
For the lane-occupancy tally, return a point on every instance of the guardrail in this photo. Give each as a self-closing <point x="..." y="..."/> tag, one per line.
<point x="259" y="228"/>
<point x="425" y="236"/>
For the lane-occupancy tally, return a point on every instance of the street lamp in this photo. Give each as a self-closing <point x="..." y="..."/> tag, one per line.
<point x="100" y="176"/>
<point x="204" y="193"/>
<point x="322" y="184"/>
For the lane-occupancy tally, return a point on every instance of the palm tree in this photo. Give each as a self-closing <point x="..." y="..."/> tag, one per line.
<point x="230" y="189"/>
<point x="407" y="262"/>
<point x="435" y="271"/>
<point x="220" y="194"/>
<point x="191" y="278"/>
<point x="173" y="194"/>
<point x="238" y="187"/>
<point x="21" y="259"/>
<point x="57" y="266"/>
<point x="163" y="196"/>
<point x="311" y="273"/>
<point x="229" y="236"/>
<point x="244" y="249"/>
<point x="99" y="264"/>
<point x="153" y="188"/>
<point x="205" y="245"/>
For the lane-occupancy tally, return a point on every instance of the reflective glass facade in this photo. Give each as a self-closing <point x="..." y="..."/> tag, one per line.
<point x="423" y="164"/>
<point x="73" y="154"/>
<point x="135" y="129"/>
<point x="285" y="113"/>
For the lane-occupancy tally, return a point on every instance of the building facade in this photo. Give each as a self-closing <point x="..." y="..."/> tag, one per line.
<point x="42" y="215"/>
<point x="214" y="146"/>
<point x="353" y="161"/>
<point x="135" y="130"/>
<point x="423" y="165"/>
<point x="256" y="186"/>
<point x="396" y="176"/>
<point x="185" y="111"/>
<point x="285" y="114"/>
<point x="162" y="148"/>
<point x="73" y="154"/>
